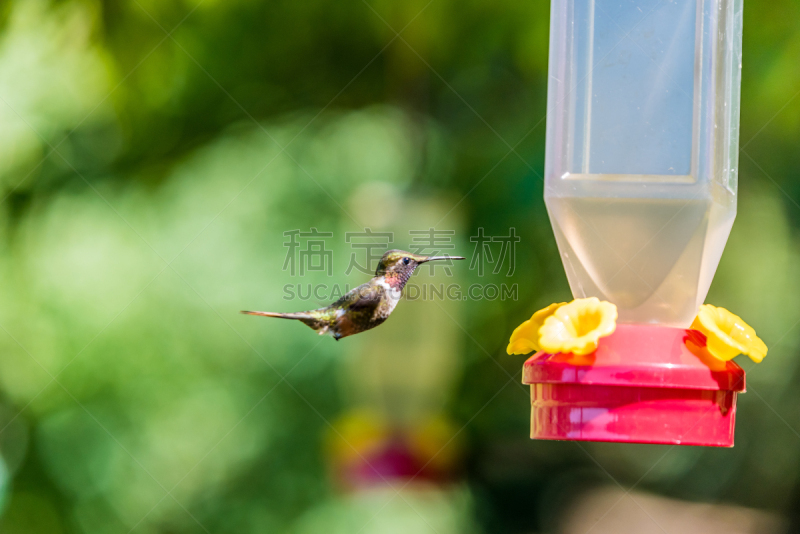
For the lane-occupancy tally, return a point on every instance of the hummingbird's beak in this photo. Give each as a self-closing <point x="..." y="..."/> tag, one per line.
<point x="433" y="258"/>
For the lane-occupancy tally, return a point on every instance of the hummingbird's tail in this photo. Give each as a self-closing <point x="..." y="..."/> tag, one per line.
<point x="298" y="315"/>
<point x="317" y="320"/>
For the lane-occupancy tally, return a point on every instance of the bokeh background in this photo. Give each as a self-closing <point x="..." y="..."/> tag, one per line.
<point x="152" y="155"/>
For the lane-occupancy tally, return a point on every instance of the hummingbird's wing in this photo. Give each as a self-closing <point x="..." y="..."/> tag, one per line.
<point x="363" y="298"/>
<point x="356" y="310"/>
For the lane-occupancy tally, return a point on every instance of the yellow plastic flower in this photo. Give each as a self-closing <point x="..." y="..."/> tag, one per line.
<point x="525" y="337"/>
<point x="727" y="335"/>
<point x="577" y="326"/>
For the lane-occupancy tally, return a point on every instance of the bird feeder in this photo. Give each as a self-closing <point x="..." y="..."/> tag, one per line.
<point x="640" y="186"/>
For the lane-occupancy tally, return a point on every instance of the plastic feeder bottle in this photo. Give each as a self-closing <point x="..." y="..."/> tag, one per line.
<point x="640" y="185"/>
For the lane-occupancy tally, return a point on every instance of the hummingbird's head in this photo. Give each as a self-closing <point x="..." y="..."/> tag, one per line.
<point x="397" y="266"/>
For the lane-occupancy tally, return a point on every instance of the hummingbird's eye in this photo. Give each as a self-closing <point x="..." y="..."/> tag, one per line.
<point x="406" y="261"/>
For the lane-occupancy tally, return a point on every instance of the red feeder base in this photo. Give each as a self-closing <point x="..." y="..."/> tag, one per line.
<point x="643" y="384"/>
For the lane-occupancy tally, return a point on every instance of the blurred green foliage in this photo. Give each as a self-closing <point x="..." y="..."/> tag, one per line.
<point x="153" y="153"/>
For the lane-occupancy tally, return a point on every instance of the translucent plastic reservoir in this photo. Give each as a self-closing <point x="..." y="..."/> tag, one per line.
<point x="642" y="149"/>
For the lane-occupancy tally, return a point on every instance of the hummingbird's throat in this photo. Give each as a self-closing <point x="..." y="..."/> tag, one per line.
<point x="396" y="281"/>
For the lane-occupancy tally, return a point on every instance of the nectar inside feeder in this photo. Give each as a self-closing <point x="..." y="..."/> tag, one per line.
<point x="640" y="186"/>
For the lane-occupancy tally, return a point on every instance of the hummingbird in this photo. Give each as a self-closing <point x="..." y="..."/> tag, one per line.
<point x="368" y="305"/>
